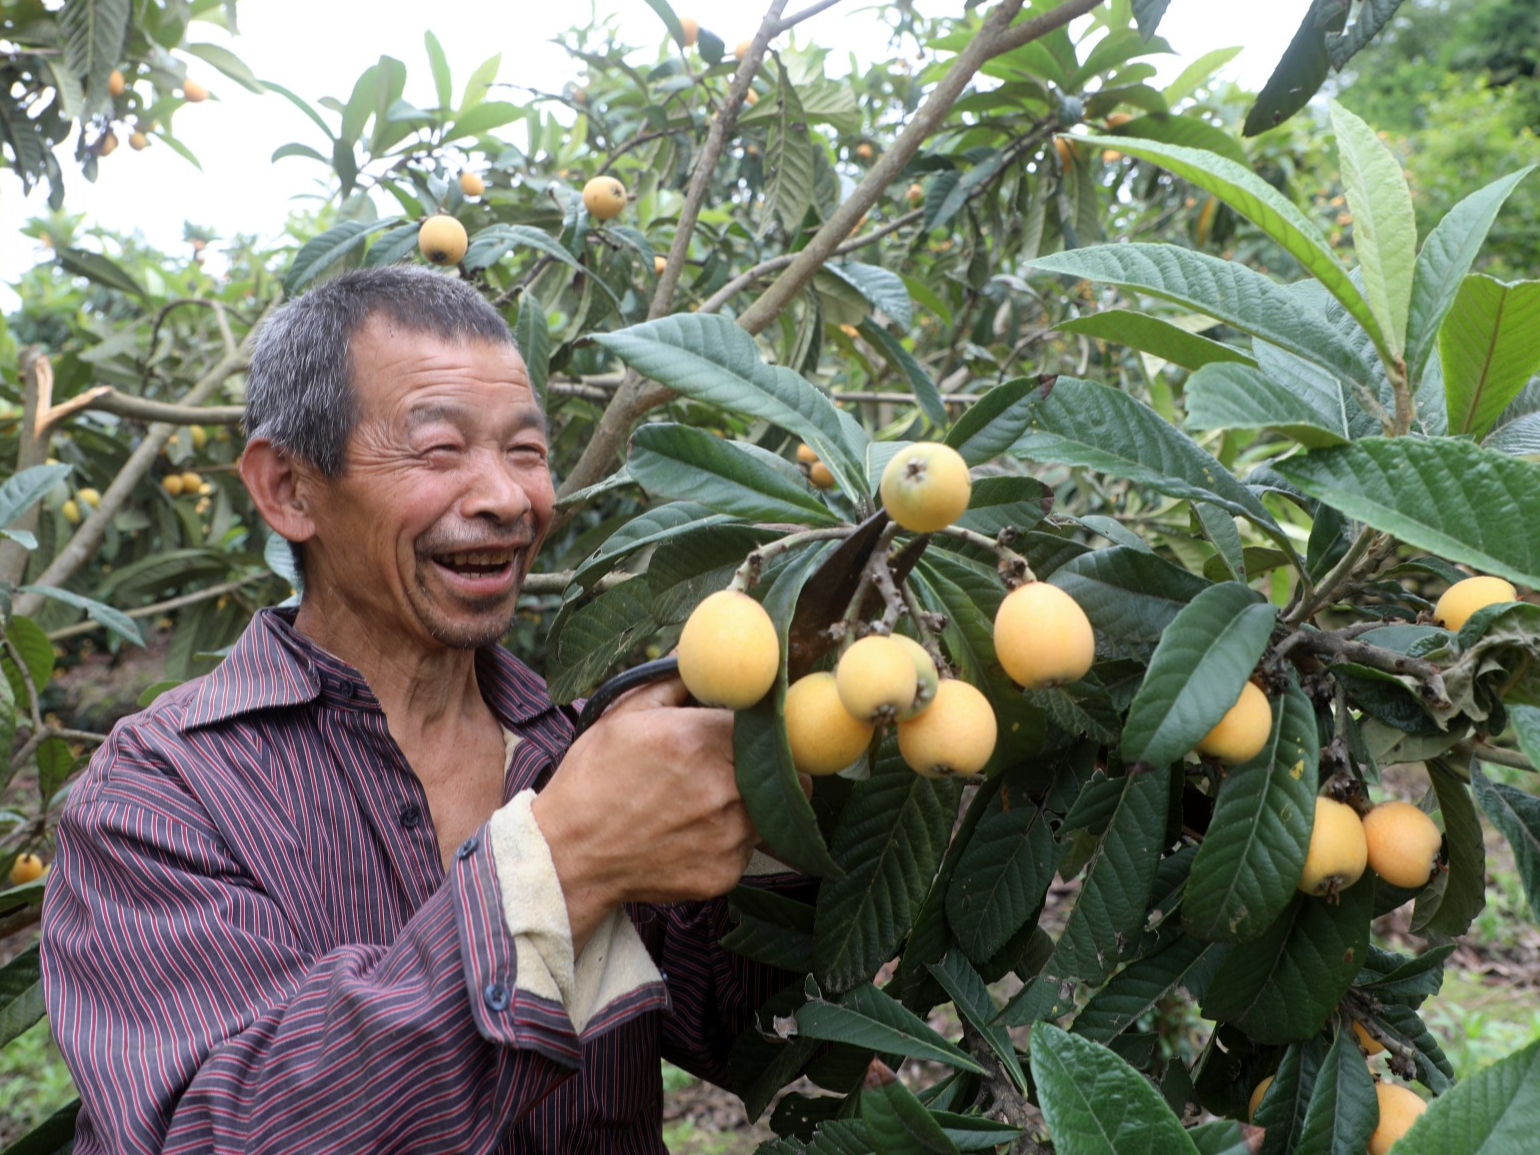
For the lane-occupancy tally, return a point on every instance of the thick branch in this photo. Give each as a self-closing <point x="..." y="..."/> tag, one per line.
<point x="32" y="450"/>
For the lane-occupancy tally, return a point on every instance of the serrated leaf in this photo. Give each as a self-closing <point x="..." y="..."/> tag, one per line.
<point x="1404" y="1025"/>
<point x="926" y="395"/>
<point x="1114" y="897"/>
<point x="491" y="244"/>
<point x="1254" y="852"/>
<point x="889" y="841"/>
<point x="1096" y="1104"/>
<point x="1489" y="347"/>
<point x="393" y="245"/>
<point x="1449" y="497"/>
<point x="1492" y="1112"/>
<point x="1343" y="1109"/>
<point x="228" y="63"/>
<point x="1225" y="290"/>
<point x="993" y="422"/>
<point x="1155" y="336"/>
<point x="1101" y="428"/>
<point x="438" y="64"/>
<point x="104" y="615"/>
<point x="1456" y="896"/>
<point x="883" y="288"/>
<point x="683" y="570"/>
<point x="711" y="359"/>
<point x="1186" y="963"/>
<point x="1384" y="228"/>
<point x="1283" y="986"/>
<point x="21" y="994"/>
<point x="1197" y="672"/>
<point x="790" y="162"/>
<point x="585" y="647"/>
<point x="645" y="529"/>
<point x="21" y="491"/>
<point x="94" y="33"/>
<point x="1223" y="1137"/>
<point x="1129" y="594"/>
<point x="1186" y="131"/>
<point x="681" y="462"/>
<point x="1240" y="397"/>
<point x="1517" y="815"/>
<point x="898" y="1123"/>
<point x="95" y="267"/>
<point x="866" y="1017"/>
<point x="532" y="332"/>
<point x="1300" y="72"/>
<point x="1147" y="14"/>
<point x="336" y="244"/>
<point x="1372" y="16"/>
<point x="1445" y="259"/>
<point x="971" y="998"/>
<point x="1002" y="875"/>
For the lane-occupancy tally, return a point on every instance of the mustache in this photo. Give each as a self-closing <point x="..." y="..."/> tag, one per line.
<point x="519" y="533"/>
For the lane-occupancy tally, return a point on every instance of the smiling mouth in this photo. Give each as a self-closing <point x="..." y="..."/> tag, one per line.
<point x="477" y="563"/>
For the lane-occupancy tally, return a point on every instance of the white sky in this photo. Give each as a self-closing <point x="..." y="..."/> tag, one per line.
<point x="318" y="48"/>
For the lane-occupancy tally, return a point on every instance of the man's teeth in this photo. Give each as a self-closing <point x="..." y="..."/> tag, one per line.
<point x="481" y="559"/>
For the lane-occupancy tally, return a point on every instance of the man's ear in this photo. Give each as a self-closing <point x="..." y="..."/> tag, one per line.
<point x="279" y="487"/>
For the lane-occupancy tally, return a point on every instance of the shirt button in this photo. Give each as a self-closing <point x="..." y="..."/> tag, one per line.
<point x="496" y="996"/>
<point x="410" y="816"/>
<point x="468" y="848"/>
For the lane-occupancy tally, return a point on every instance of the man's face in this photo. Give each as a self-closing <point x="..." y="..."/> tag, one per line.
<point x="446" y="494"/>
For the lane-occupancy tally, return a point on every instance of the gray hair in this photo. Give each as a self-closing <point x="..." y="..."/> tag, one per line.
<point x="299" y="389"/>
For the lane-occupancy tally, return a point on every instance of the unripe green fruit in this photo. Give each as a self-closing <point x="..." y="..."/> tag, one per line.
<point x="824" y="738"/>
<point x="876" y="679"/>
<point x="729" y="652"/>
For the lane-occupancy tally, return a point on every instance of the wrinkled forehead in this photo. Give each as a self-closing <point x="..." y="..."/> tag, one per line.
<point x="410" y="369"/>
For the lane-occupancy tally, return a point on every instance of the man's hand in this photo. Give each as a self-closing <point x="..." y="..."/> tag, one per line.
<point x="644" y="808"/>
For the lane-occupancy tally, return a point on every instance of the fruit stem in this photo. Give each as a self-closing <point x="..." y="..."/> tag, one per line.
<point x="922" y="624"/>
<point x="1333" y="582"/>
<point x="746" y="576"/>
<point x="1014" y="570"/>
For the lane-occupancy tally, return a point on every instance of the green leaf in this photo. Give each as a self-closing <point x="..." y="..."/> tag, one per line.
<point x="711" y="359"/>
<point x="866" y="1017"/>
<point x="1137" y="988"/>
<point x="1155" y="336"/>
<point x="1384" y="228"/>
<point x="766" y="778"/>
<point x="95" y="267"/>
<point x="491" y="244"/>
<point x="881" y="287"/>
<point x="1241" y="397"/>
<point x="228" y="63"/>
<point x="1186" y="131"/>
<point x="1097" y="427"/>
<point x="790" y="162"/>
<point x="1198" y="73"/>
<point x="21" y="994"/>
<point x="104" y="615"/>
<point x="1449" y="497"/>
<point x="1517" y="815"/>
<point x="36" y="654"/>
<point x="584" y="648"/>
<point x="1372" y="16"/>
<point x="94" y="33"/>
<point x="1254" y="852"/>
<point x="1129" y="594"/>
<point x="55" y="1135"/>
<point x="1281" y="1113"/>
<point x="1221" y="1137"/>
<point x="1404" y="1025"/>
<point x="1282" y="986"/>
<point x="685" y="463"/>
<point x="300" y="103"/>
<point x="1197" y="672"/>
<point x="1343" y="1106"/>
<point x="645" y="529"/>
<point x="1002" y="875"/>
<point x="1446" y="257"/>
<point x="899" y="1124"/>
<point x="972" y="1000"/>
<point x="1489" y="347"/>
<point x="322" y="253"/>
<point x="926" y="395"/>
<point x="438" y="63"/>
<point x="1096" y="1104"/>
<point x="1456" y="896"/>
<point x="21" y="491"/>
<point x="1299" y="74"/>
<point x="1492" y="1112"/>
<point x="1114" y="897"/>
<point x="533" y="334"/>
<point x="889" y="841"/>
<point x="1225" y="290"/>
<point x="993" y="423"/>
<point x="393" y="245"/>
<point x="1147" y="14"/>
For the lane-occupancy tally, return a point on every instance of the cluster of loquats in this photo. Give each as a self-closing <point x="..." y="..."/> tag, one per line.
<point x="729" y="651"/>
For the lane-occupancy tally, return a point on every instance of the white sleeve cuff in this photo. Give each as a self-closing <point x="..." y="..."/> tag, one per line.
<point x="614" y="963"/>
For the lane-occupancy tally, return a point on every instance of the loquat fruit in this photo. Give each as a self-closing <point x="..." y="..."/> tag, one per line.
<point x="1369" y="1044"/>
<point x="955" y="735"/>
<point x="89" y="496"/>
<point x="914" y="194"/>
<point x="805" y="453"/>
<point x="741" y="49"/>
<point x="864" y="151"/>
<point x="1399" y="1108"/>
<point x="193" y="92"/>
<point x="1338" y="851"/>
<point x="926" y="486"/>
<point x="925" y="677"/>
<point x="442" y="239"/>
<point x="191" y="482"/>
<point x="1256" y="1097"/>
<point x="138" y="141"/>
<point x="604" y="197"/>
<point x="729" y="652"/>
<point x="1403" y="843"/>
<point x="820" y="475"/>
<point x="1042" y="636"/>
<point x="659" y="263"/>
<point x="107" y="144"/>
<point x="27" y="868"/>
<point x="689" y="29"/>
<point x="116" y="84"/>
<point x="1240" y="735"/>
<point x="1464" y="598"/>
<point x="824" y="738"/>
<point x="71" y="511"/>
<point x="172" y="484"/>
<point x="471" y="184"/>
<point x="876" y="679"/>
<point x="199" y="435"/>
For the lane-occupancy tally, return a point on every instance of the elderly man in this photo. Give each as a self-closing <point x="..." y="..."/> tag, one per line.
<point x="358" y="889"/>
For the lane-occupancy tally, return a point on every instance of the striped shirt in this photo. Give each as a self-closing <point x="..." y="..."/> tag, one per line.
<point x="250" y="942"/>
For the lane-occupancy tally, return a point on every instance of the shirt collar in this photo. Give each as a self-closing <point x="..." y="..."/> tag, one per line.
<point x="272" y="665"/>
